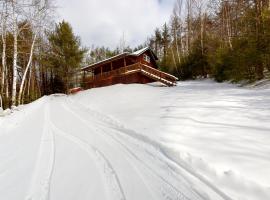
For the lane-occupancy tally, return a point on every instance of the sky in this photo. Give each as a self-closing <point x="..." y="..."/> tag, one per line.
<point x="104" y="22"/>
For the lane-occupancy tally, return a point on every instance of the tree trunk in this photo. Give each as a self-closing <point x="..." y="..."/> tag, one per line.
<point x="15" y="58"/>
<point x="1" y="102"/>
<point x="27" y="68"/>
<point x="4" y="45"/>
<point x="202" y="33"/>
<point x="3" y="60"/>
<point x="174" y="62"/>
<point x="177" y="49"/>
<point x="188" y="25"/>
<point x="228" y="25"/>
<point x="203" y="17"/>
<point x="29" y="84"/>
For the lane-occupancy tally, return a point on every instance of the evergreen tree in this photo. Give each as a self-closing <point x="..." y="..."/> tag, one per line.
<point x="66" y="55"/>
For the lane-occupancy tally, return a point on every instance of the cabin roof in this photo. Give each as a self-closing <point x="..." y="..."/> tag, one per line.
<point x="120" y="56"/>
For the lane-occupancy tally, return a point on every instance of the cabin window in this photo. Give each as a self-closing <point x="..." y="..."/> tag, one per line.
<point x="146" y="58"/>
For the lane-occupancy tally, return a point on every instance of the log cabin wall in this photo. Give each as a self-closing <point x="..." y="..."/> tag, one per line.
<point x="137" y="67"/>
<point x="152" y="62"/>
<point x="116" y="64"/>
<point x="135" y="77"/>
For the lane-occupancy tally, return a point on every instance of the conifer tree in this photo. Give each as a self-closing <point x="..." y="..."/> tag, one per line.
<point x="66" y="55"/>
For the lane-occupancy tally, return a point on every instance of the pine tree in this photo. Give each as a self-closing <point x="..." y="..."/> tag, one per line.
<point x="66" y="55"/>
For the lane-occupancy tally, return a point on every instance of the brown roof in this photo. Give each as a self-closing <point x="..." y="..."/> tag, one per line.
<point x="120" y="56"/>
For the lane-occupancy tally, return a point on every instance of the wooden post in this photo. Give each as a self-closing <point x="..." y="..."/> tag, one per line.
<point x="125" y="64"/>
<point x="101" y="70"/>
<point x="111" y="66"/>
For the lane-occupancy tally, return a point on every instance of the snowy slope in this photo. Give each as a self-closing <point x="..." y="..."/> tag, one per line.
<point x="199" y="140"/>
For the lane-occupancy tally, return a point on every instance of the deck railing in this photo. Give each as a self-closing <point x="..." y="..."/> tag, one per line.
<point x="147" y="70"/>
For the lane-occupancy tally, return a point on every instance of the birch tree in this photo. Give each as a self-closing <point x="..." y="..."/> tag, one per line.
<point x="4" y="16"/>
<point x="37" y="14"/>
<point x="14" y="6"/>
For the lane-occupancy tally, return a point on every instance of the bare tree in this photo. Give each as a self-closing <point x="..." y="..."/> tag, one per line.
<point x="177" y="13"/>
<point x="36" y="17"/>
<point x="3" y="37"/>
<point x="14" y="6"/>
<point x="122" y="43"/>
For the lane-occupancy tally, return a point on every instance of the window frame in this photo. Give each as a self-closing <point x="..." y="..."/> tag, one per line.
<point x="146" y="58"/>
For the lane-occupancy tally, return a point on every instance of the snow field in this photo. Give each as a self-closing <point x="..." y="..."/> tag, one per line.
<point x="199" y="140"/>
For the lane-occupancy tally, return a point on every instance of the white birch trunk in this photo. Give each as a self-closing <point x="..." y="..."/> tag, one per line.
<point x="27" y="68"/>
<point x="3" y="63"/>
<point x="188" y="24"/>
<point x="3" y="30"/>
<point x="228" y="22"/>
<point x="15" y="58"/>
<point x="179" y="7"/>
<point x="202" y="32"/>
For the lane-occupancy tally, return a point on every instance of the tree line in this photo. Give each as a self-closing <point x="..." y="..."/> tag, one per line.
<point x="38" y="56"/>
<point x="222" y="39"/>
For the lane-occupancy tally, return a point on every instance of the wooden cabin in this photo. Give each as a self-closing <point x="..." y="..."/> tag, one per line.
<point x="137" y="67"/>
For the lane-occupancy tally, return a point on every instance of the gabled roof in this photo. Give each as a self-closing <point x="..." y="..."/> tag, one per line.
<point x="141" y="51"/>
<point x="120" y="56"/>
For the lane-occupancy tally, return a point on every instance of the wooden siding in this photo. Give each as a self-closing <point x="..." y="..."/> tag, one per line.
<point x="152" y="62"/>
<point x="136" y="73"/>
<point x="126" y="68"/>
<point x="134" y="77"/>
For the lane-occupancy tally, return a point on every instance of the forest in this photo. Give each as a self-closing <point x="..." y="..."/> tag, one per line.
<point x="226" y="40"/>
<point x="219" y="39"/>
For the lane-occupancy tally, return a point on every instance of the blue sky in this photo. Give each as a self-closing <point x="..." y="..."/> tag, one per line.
<point x="103" y="22"/>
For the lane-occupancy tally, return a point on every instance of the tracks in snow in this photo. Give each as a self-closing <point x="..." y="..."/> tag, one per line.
<point x="40" y="185"/>
<point x="110" y="175"/>
<point x="136" y="151"/>
<point x="166" y="156"/>
<point x="41" y="180"/>
<point x="168" y="190"/>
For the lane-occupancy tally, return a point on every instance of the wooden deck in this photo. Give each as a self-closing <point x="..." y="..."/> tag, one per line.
<point x="139" y="73"/>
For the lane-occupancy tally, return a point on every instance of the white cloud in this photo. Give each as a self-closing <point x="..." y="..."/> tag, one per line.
<point x="103" y="22"/>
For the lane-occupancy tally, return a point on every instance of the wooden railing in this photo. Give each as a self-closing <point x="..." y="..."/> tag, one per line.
<point x="160" y="75"/>
<point x="146" y="70"/>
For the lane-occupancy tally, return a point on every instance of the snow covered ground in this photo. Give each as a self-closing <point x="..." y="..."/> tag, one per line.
<point x="199" y="140"/>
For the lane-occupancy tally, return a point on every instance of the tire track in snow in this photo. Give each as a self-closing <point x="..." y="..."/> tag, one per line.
<point x="92" y="151"/>
<point x="110" y="174"/>
<point x="170" y="188"/>
<point x="40" y="184"/>
<point x="133" y="134"/>
<point x="105" y="138"/>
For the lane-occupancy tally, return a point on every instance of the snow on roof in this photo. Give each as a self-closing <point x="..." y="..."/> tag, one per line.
<point x="108" y="59"/>
<point x="139" y="52"/>
<point x="136" y="53"/>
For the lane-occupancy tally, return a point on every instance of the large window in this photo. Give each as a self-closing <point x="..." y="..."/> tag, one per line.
<point x="146" y="58"/>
